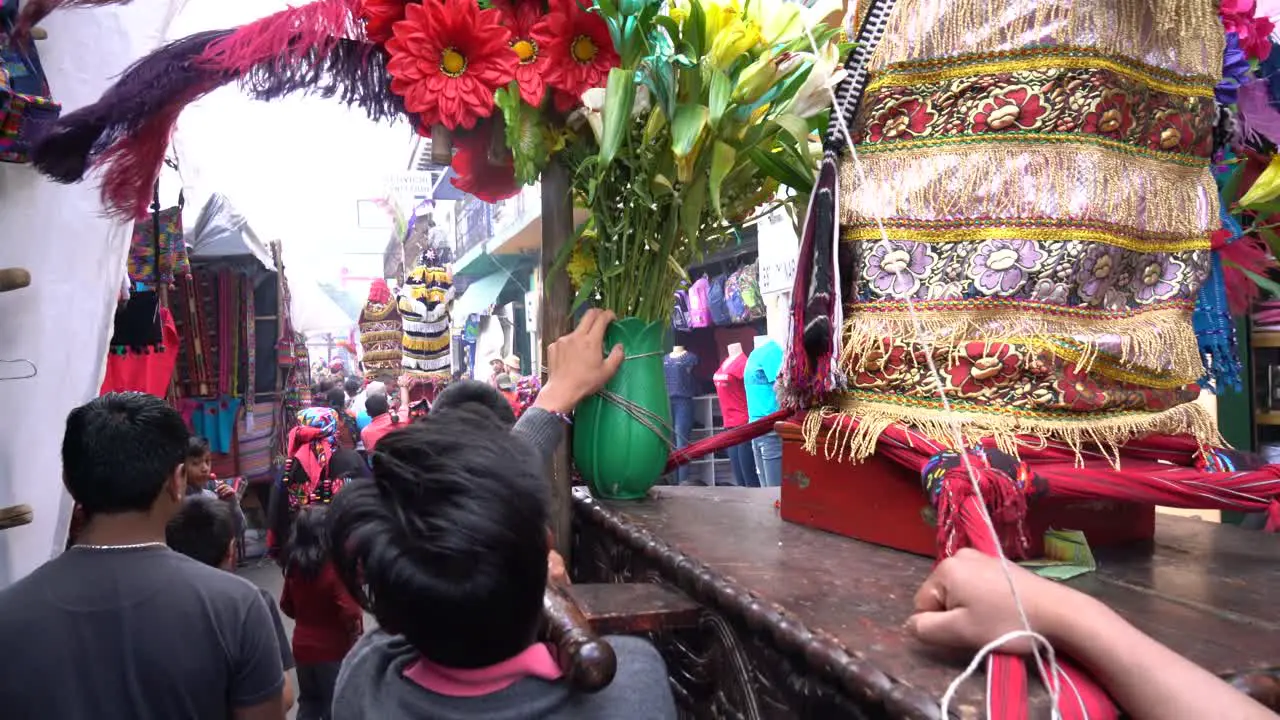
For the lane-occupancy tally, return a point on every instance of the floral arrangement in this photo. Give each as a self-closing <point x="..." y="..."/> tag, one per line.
<point x="675" y="126"/>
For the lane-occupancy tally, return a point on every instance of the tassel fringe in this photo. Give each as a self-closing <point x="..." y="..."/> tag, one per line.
<point x="1188" y="30"/>
<point x="285" y="36"/>
<point x="1019" y="180"/>
<point x="1161" y="342"/>
<point x="1101" y="432"/>
<point x="355" y="73"/>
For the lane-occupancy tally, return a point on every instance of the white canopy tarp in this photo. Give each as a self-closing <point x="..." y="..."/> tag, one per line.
<point x="314" y="312"/>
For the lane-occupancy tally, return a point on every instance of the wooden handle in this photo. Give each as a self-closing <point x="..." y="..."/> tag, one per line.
<point x="587" y="661"/>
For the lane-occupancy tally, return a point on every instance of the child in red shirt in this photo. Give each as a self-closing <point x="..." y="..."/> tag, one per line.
<point x="327" y="620"/>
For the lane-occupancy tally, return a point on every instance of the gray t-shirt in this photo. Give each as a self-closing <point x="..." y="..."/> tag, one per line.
<point x="372" y="686"/>
<point x="136" y="634"/>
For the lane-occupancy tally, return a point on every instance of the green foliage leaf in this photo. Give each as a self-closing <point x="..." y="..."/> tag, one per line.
<point x="1268" y="286"/>
<point x="686" y="127"/>
<point x="695" y="28"/>
<point x="721" y="89"/>
<point x="566" y="250"/>
<point x="585" y="293"/>
<point x="620" y="96"/>
<point x="668" y="23"/>
<point x="695" y="198"/>
<point x="523" y="134"/>
<point x="775" y="166"/>
<point x="722" y="158"/>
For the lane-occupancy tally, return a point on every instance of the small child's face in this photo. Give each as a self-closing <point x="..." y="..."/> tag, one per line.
<point x="199" y="469"/>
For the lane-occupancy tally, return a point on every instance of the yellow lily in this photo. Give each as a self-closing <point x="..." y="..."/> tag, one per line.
<point x="759" y="76"/>
<point x="732" y="40"/>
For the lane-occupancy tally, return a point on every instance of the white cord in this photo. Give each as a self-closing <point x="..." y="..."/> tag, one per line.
<point x="1049" y="674"/>
<point x="1037" y="641"/>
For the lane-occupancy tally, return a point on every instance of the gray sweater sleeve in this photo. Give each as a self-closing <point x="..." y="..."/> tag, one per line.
<point x="541" y="429"/>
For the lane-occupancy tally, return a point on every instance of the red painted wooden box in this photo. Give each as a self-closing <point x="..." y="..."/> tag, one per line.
<point x="883" y="503"/>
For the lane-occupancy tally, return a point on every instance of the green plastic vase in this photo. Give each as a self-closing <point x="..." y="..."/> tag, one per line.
<point x="621" y="452"/>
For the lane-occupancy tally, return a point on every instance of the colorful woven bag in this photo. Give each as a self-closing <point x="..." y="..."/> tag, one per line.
<point x="26" y="109"/>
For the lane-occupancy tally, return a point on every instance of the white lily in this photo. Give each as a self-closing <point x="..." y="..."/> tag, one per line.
<point x="784" y="20"/>
<point x="593" y="110"/>
<point x="814" y="95"/>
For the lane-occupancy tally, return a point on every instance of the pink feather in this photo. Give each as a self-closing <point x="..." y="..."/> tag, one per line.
<point x="288" y="34"/>
<point x="1251" y="253"/>
<point x="1257" y="117"/>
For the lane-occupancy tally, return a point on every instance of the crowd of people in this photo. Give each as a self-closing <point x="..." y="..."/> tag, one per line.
<point x="442" y="535"/>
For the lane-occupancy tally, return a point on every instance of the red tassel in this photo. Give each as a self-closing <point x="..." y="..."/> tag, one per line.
<point x="1273" y="516"/>
<point x="285" y="35"/>
<point x="132" y="165"/>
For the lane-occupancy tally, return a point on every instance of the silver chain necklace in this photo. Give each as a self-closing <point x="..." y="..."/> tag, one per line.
<point x="134" y="546"/>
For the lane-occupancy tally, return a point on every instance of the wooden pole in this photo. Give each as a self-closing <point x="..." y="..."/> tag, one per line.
<point x="555" y="321"/>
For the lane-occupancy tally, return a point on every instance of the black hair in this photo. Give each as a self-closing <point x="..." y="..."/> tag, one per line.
<point x="202" y="530"/>
<point x="327" y="384"/>
<point x="376" y="405"/>
<point x="119" y="450"/>
<point x="465" y="392"/>
<point x="336" y="398"/>
<point x="308" y="549"/>
<point x="348" y="464"/>
<point x="197" y="447"/>
<point x="352" y="385"/>
<point x="447" y="544"/>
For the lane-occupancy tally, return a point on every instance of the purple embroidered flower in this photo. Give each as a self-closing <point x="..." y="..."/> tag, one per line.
<point x="1000" y="266"/>
<point x="1155" y="278"/>
<point x="1098" y="271"/>
<point x="1235" y="68"/>
<point x="895" y="267"/>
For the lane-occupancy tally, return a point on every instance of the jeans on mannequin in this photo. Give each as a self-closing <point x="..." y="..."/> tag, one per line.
<point x="682" y="420"/>
<point x="743" y="460"/>
<point x="768" y="453"/>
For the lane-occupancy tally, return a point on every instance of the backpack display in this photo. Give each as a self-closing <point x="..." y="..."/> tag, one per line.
<point x="699" y="303"/>
<point x="733" y="297"/>
<point x="680" y="315"/>
<point x="749" y="287"/>
<point x="716" y="302"/>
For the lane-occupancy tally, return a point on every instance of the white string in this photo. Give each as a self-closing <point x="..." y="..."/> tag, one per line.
<point x="1049" y="674"/>
<point x="1037" y="641"/>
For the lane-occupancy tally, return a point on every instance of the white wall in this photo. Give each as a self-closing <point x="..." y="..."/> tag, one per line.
<point x="76" y="257"/>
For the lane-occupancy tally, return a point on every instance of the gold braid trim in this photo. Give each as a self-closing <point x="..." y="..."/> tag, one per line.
<point x="1067" y="181"/>
<point x="908" y="75"/>
<point x="426" y="345"/>
<point x="1184" y="36"/>
<point x="1161" y="342"/>
<point x="1039" y="230"/>
<point x="1102" y="431"/>
<point x="377" y="336"/>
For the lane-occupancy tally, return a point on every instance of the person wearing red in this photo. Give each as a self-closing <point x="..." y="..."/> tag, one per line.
<point x="732" y="391"/>
<point x="327" y="621"/>
<point x="383" y="419"/>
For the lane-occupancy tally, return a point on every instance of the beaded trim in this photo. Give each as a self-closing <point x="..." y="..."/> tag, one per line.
<point x="1048" y="230"/>
<point x="1073" y="58"/>
<point x="1031" y="138"/>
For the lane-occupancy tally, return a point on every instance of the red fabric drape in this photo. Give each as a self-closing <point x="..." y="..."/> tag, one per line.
<point x="148" y="372"/>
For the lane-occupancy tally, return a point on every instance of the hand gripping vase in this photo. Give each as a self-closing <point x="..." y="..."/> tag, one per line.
<point x="621" y="447"/>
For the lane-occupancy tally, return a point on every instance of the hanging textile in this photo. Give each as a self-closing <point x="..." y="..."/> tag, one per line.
<point x="381" y="332"/>
<point x="195" y="376"/>
<point x="137" y="327"/>
<point x="1044" y="194"/>
<point x="147" y="368"/>
<point x="169" y="251"/>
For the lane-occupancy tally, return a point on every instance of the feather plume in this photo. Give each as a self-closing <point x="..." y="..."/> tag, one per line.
<point x="286" y="35"/>
<point x="1257" y="117"/>
<point x="1250" y="253"/>
<point x="144" y="89"/>
<point x="353" y="72"/>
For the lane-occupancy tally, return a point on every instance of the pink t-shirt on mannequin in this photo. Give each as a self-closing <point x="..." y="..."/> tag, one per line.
<point x="731" y="390"/>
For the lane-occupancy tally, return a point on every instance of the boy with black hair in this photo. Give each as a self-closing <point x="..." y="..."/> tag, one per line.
<point x="450" y="539"/>
<point x="205" y="531"/>
<point x="202" y="481"/>
<point x="127" y="626"/>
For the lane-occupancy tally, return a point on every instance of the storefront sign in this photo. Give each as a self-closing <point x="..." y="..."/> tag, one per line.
<point x="414" y="183"/>
<point x="779" y="250"/>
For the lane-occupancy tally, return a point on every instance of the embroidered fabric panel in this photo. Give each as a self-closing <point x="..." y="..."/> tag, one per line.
<point x="1040" y="171"/>
<point x="424" y="312"/>
<point x="381" y="336"/>
<point x="173" y="249"/>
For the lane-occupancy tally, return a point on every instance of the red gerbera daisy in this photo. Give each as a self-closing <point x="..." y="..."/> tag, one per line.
<point x="379" y="16"/>
<point x="489" y="179"/>
<point x="582" y="53"/>
<point x="447" y="63"/>
<point x="530" y="38"/>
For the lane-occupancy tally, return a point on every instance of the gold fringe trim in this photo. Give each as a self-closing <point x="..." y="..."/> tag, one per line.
<point x="1183" y="36"/>
<point x="1040" y="231"/>
<point x="1160" y="341"/>
<point x="422" y="345"/>
<point x="370" y="338"/>
<point x="1100" y="431"/>
<point x="1066" y="182"/>
<point x="1043" y="58"/>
